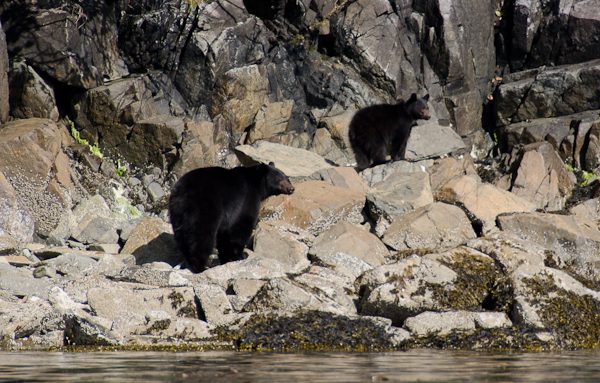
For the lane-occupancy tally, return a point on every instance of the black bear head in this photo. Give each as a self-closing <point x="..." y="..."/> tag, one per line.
<point x="417" y="107"/>
<point x="275" y="181"/>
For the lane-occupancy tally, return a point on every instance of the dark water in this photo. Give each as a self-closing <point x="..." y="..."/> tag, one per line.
<point x="412" y="366"/>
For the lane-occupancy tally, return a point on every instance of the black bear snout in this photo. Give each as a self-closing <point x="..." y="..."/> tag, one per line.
<point x="287" y="187"/>
<point x="425" y="115"/>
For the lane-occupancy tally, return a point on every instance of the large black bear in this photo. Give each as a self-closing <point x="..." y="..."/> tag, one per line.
<point x="217" y="207"/>
<point x="379" y="130"/>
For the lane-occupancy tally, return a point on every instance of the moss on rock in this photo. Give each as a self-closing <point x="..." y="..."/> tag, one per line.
<point x="573" y="319"/>
<point x="479" y="285"/>
<point x="309" y="331"/>
<point x="497" y="339"/>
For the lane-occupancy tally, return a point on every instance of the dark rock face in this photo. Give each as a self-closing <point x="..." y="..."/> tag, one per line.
<point x="553" y="32"/>
<point x="3" y="77"/>
<point x="73" y="43"/>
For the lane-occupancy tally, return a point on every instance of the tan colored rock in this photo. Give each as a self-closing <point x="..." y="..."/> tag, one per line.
<point x="198" y="148"/>
<point x="444" y="169"/>
<point x="542" y="177"/>
<point x="332" y="141"/>
<point x="240" y="93"/>
<point x="152" y="240"/>
<point x="29" y="147"/>
<point x="338" y="126"/>
<point x="270" y="120"/>
<point x="345" y="177"/>
<point x="345" y="237"/>
<point x="324" y="145"/>
<point x="483" y="200"/>
<point x="135" y="311"/>
<point x="315" y="206"/>
<point x="270" y="242"/>
<point x="437" y="226"/>
<point x="400" y="193"/>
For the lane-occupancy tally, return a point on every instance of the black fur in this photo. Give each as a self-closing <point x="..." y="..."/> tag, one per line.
<point x="381" y="130"/>
<point x="217" y="207"/>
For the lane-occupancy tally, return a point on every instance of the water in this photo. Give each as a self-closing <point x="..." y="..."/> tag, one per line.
<point x="411" y="366"/>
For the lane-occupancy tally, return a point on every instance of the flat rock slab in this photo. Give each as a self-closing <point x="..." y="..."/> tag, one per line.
<point x="572" y="245"/>
<point x="345" y="237"/>
<point x="443" y="323"/>
<point x="21" y="283"/>
<point x="484" y="201"/>
<point x="293" y="162"/>
<point x="137" y="310"/>
<point x="315" y="206"/>
<point x="437" y="226"/>
<point x="432" y="140"/>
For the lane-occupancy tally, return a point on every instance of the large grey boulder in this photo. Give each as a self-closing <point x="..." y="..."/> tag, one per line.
<point x="21" y="282"/>
<point x="349" y="249"/>
<point x="459" y="279"/>
<point x="572" y="245"/>
<point x="431" y="141"/>
<point x="443" y="323"/>
<point x="144" y="310"/>
<point x="294" y="162"/>
<point x="271" y="241"/>
<point x="434" y="227"/>
<point x="401" y="188"/>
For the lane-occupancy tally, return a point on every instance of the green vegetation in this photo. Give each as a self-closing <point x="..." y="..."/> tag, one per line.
<point x="587" y="178"/>
<point x="120" y="169"/>
<point x="94" y="149"/>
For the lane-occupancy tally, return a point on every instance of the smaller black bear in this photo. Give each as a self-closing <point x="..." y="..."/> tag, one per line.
<point x="381" y="130"/>
<point x="217" y="207"/>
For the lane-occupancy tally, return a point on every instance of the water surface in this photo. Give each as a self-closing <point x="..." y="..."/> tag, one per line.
<point x="411" y="366"/>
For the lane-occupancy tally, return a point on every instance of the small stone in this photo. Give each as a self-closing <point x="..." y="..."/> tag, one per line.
<point x="44" y="271"/>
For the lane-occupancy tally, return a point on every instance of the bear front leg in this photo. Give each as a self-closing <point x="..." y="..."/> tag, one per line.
<point x="399" y="147"/>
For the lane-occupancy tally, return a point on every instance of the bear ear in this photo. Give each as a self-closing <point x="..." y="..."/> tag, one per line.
<point x="271" y="163"/>
<point x="413" y="97"/>
<point x="426" y="97"/>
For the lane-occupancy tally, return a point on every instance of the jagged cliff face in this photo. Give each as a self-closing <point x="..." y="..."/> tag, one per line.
<point x="115" y="67"/>
<point x="111" y="66"/>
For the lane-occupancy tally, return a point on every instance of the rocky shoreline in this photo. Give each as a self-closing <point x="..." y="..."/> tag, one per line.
<point x="486" y="238"/>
